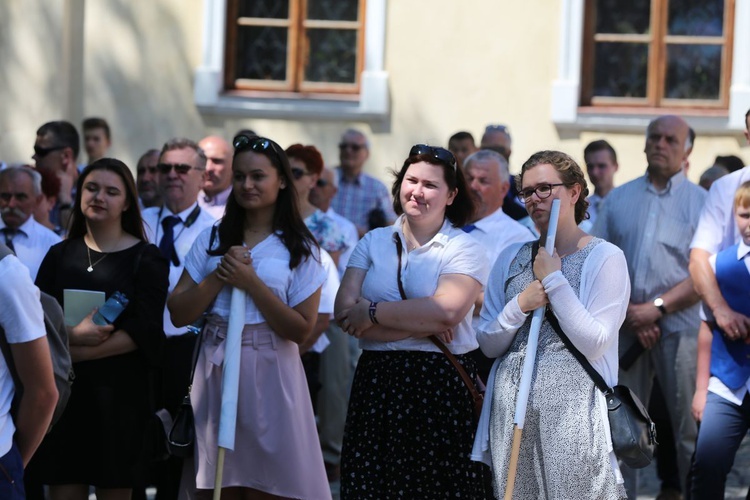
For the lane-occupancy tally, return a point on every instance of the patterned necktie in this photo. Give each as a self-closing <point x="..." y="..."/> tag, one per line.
<point x="9" y="234"/>
<point x="469" y="228"/>
<point x="166" y="245"/>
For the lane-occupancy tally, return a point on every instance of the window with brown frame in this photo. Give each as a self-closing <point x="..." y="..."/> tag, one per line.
<point x="298" y="46"/>
<point x="657" y="53"/>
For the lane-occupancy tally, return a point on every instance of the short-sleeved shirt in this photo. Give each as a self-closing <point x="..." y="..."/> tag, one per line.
<point x="184" y="236"/>
<point x="356" y="198"/>
<point x="450" y="251"/>
<point x="716" y="228"/>
<point x="271" y="263"/>
<point x="22" y="319"/>
<point x="653" y="229"/>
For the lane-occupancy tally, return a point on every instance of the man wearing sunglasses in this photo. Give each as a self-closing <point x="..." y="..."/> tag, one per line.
<point x="147" y="179"/>
<point x="652" y="219"/>
<point x="217" y="180"/>
<point x="56" y="149"/>
<point x="173" y="228"/>
<point x="359" y="194"/>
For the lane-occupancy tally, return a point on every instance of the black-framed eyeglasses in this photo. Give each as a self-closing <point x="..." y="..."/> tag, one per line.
<point x="298" y="173"/>
<point x="351" y="145"/>
<point x="441" y="154"/>
<point x="542" y="191"/>
<point x="180" y="168"/>
<point x="40" y="152"/>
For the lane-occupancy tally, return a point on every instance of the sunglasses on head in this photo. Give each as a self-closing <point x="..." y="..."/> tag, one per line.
<point x="42" y="152"/>
<point x="255" y="143"/>
<point x="441" y="154"/>
<point x="180" y="168"/>
<point x="351" y="145"/>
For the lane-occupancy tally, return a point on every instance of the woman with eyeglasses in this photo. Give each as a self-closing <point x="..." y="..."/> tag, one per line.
<point x="566" y="450"/>
<point x="409" y="428"/>
<point x="100" y="437"/>
<point x="263" y="247"/>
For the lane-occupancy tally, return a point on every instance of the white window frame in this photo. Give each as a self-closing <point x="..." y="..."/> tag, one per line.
<point x="566" y="88"/>
<point x="374" y="96"/>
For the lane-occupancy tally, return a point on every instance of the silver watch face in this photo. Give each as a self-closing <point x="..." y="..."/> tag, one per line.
<point x="659" y="302"/>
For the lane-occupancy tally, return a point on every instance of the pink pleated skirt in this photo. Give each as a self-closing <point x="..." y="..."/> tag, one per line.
<point x="276" y="446"/>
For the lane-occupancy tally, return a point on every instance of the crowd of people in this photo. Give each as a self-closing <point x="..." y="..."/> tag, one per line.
<point x="373" y="316"/>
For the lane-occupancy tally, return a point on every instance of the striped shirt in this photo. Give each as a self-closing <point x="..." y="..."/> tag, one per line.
<point x="653" y="229"/>
<point x="356" y="199"/>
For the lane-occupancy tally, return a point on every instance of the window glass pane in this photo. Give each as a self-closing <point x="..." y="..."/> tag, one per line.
<point x="623" y="16"/>
<point x="620" y="69"/>
<point x="261" y="53"/>
<point x="696" y="17"/>
<point x="333" y="10"/>
<point x="693" y="71"/>
<point x="332" y="56"/>
<point x="269" y="9"/>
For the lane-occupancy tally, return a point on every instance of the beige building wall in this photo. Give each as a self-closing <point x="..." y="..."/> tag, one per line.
<point x="451" y="65"/>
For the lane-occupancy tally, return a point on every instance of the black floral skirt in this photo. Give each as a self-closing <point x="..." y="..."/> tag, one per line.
<point x="410" y="429"/>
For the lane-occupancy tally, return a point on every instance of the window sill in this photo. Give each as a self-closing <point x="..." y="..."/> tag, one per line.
<point x="373" y="104"/>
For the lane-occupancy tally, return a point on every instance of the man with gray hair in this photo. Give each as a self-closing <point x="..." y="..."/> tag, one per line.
<point x="20" y="193"/>
<point x="359" y="194"/>
<point x="652" y="219"/>
<point x="174" y="227"/>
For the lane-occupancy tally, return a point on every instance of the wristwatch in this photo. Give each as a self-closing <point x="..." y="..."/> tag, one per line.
<point x="659" y="304"/>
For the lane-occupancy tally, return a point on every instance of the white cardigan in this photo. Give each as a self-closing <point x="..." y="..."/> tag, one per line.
<point x="591" y="320"/>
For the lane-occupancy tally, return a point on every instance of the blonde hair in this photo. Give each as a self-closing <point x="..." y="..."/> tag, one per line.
<point x="742" y="195"/>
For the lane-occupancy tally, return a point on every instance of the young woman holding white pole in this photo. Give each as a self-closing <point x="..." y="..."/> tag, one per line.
<point x="566" y="450"/>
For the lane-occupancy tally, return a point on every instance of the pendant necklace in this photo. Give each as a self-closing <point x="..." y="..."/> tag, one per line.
<point x="91" y="266"/>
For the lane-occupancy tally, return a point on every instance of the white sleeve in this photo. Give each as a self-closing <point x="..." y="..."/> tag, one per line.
<point x="499" y="321"/>
<point x="21" y="315"/>
<point x="468" y="258"/>
<point x="360" y="257"/>
<point x="592" y="327"/>
<point x="196" y="259"/>
<point x="331" y="286"/>
<point x="709" y="234"/>
<point x="307" y="277"/>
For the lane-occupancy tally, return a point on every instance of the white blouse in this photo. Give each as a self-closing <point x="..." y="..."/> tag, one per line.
<point x="450" y="251"/>
<point x="271" y="263"/>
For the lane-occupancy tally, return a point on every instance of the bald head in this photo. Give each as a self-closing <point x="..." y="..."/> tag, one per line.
<point x="666" y="147"/>
<point x="218" y="175"/>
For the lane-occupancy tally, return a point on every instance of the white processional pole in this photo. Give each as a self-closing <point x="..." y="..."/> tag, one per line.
<point x="230" y="383"/>
<point x="529" y="362"/>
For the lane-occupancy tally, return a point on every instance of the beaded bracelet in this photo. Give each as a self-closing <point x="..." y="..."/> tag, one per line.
<point x="373" y="309"/>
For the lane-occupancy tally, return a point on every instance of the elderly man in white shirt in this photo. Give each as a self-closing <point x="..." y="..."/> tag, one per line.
<point x="173" y="228"/>
<point x="20" y="193"/>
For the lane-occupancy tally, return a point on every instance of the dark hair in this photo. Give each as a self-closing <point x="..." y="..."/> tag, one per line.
<point x="730" y="162"/>
<point x="287" y="220"/>
<point x="50" y="182"/>
<point x="64" y="134"/>
<point x="570" y="173"/>
<point x="92" y="123"/>
<point x="461" y="210"/>
<point x="461" y="136"/>
<point x="309" y="155"/>
<point x="246" y="132"/>
<point x="600" y="145"/>
<point x="131" y="218"/>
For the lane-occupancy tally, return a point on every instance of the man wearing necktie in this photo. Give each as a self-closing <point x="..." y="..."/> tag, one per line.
<point x="173" y="228"/>
<point x="20" y="193"/>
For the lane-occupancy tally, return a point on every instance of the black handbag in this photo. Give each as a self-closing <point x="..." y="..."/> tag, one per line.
<point x="633" y="431"/>
<point x="180" y="431"/>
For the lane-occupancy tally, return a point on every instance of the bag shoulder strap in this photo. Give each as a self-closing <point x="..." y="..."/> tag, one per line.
<point x="555" y="324"/>
<point x="448" y="354"/>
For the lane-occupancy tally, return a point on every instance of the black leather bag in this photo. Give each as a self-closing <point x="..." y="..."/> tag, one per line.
<point x="181" y="436"/>
<point x="633" y="431"/>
